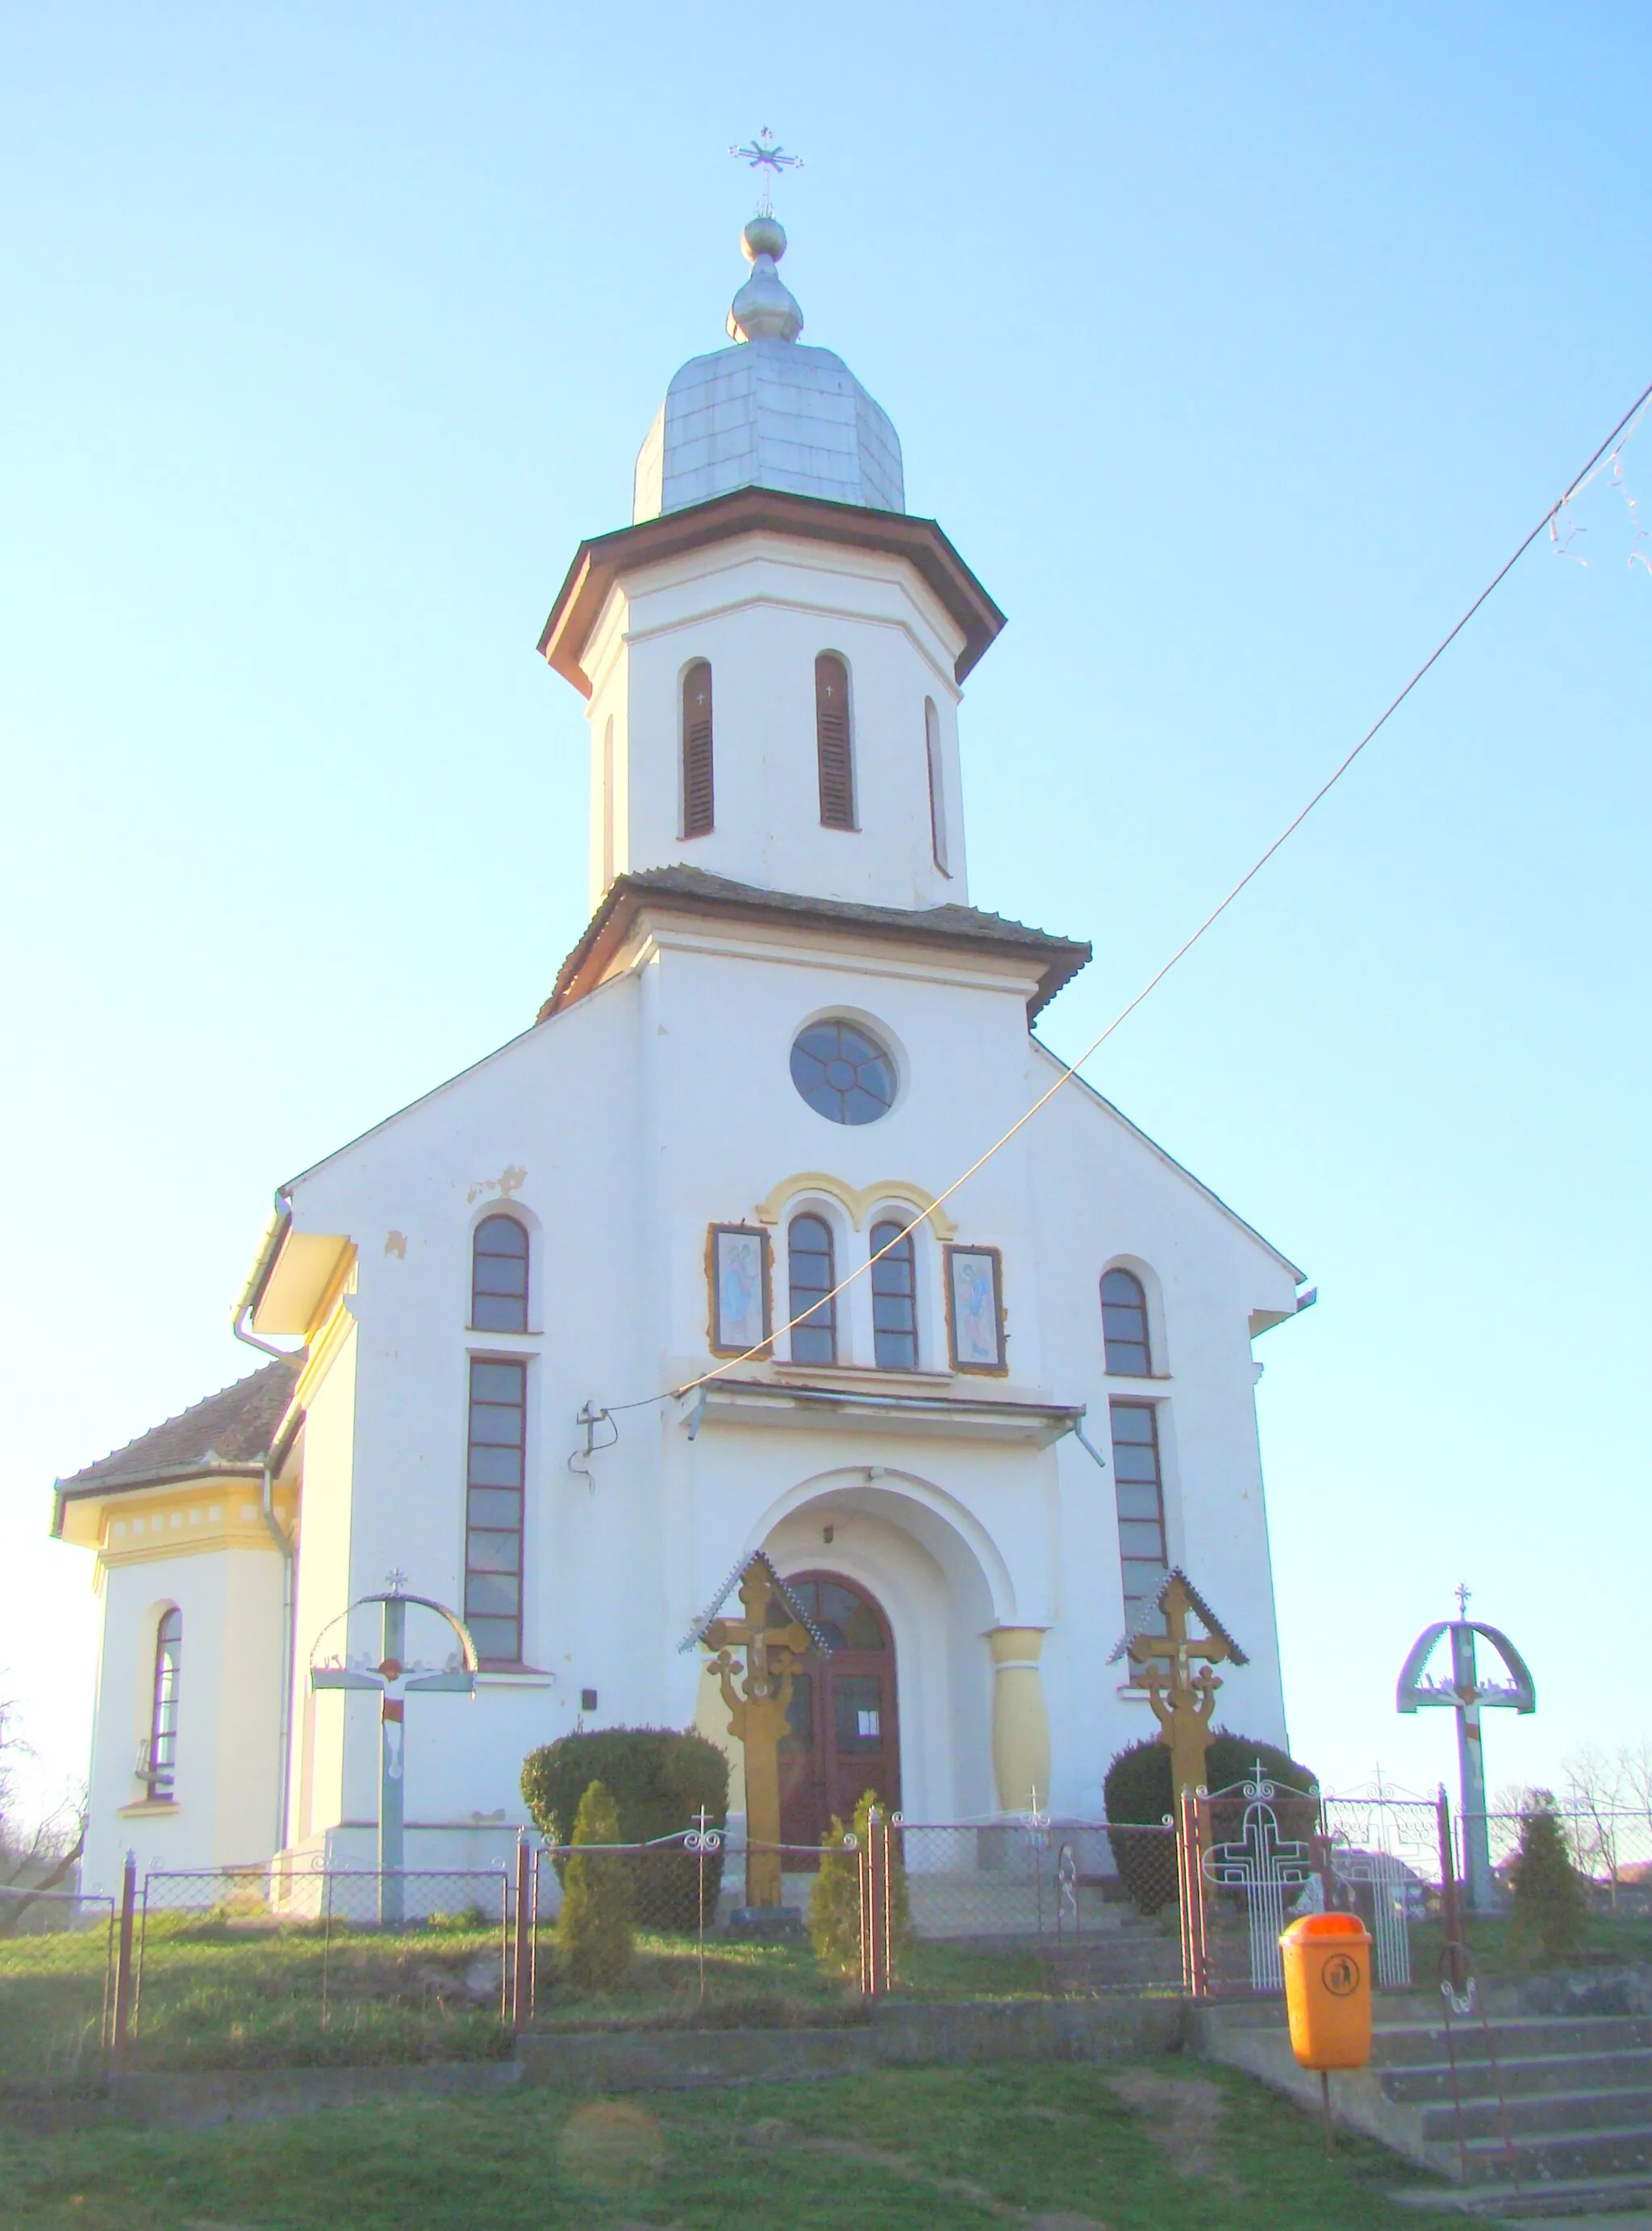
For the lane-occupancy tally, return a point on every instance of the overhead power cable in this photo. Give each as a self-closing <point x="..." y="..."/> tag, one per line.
<point x="1070" y="1070"/>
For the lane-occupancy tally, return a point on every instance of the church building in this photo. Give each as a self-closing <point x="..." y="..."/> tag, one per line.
<point x="564" y="1343"/>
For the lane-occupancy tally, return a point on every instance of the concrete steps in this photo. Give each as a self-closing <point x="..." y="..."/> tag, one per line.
<point x="1533" y="2116"/>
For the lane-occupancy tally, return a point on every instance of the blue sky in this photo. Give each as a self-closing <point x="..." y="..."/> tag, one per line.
<point x="1233" y="346"/>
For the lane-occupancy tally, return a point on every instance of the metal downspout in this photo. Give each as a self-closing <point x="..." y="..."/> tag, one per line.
<point x="284" y="1740"/>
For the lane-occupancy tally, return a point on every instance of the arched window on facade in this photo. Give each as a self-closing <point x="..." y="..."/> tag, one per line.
<point x="498" y="1280"/>
<point x="160" y="1752"/>
<point x="895" y="1299"/>
<point x="809" y="1250"/>
<point x="833" y="744"/>
<point x="1124" y="1324"/>
<point x="699" y="801"/>
<point x="937" y="786"/>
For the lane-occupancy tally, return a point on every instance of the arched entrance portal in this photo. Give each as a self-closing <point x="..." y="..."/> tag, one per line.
<point x="842" y="1735"/>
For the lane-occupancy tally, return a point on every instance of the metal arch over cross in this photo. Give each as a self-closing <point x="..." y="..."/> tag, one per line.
<point x="766" y="155"/>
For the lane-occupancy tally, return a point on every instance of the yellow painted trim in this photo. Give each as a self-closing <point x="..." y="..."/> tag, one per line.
<point x="325" y="1346"/>
<point x="178" y="1522"/>
<point x="342" y="1281"/>
<point x="859" y="1203"/>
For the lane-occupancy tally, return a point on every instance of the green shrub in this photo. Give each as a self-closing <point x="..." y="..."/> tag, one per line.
<point x="1138" y="1790"/>
<point x="659" y="1779"/>
<point x="1550" y="1903"/>
<point x="834" y="1901"/>
<point x="594" y="1929"/>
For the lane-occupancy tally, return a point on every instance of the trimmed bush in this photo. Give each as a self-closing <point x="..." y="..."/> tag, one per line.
<point x="658" y="1779"/>
<point x="834" y="1901"/>
<point x="1550" y="1903"/>
<point x="1138" y="1791"/>
<point x="594" y="1928"/>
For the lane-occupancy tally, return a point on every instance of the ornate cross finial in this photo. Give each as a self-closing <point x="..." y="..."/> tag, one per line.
<point x="765" y="154"/>
<point x="396" y="1582"/>
<point x="1463" y="1593"/>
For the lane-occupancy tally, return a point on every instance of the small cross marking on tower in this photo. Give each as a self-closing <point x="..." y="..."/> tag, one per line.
<point x="765" y="154"/>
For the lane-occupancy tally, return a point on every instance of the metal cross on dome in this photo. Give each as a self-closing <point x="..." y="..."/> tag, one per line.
<point x="765" y="154"/>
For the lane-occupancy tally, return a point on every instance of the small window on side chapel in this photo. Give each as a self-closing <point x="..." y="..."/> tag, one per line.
<point x="809" y="1249"/>
<point x="1124" y="1324"/>
<point x="895" y="1299"/>
<point x="937" y="787"/>
<point x="834" y="744"/>
<point x="161" y="1759"/>
<point x="699" y="802"/>
<point x="499" y="1281"/>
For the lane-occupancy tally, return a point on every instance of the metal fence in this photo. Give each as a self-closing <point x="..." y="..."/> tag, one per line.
<point x="1610" y="1847"/>
<point x="253" y="1967"/>
<point x="57" y="1979"/>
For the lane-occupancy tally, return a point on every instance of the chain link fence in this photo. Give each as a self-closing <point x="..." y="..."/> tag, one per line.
<point x="254" y="1969"/>
<point x="57" y="1971"/>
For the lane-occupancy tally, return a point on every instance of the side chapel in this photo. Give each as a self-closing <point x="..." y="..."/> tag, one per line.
<point x="784" y="1030"/>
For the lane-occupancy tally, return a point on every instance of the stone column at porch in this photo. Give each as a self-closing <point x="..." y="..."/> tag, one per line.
<point x="1020" y="1719"/>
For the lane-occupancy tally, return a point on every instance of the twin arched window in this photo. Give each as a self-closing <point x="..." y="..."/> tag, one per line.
<point x="498" y="1276"/>
<point x="159" y="1761"/>
<point x="809" y="1250"/>
<point x="895" y="1299"/>
<point x="1124" y="1324"/>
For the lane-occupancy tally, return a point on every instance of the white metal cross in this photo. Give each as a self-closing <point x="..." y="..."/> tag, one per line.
<point x="765" y="154"/>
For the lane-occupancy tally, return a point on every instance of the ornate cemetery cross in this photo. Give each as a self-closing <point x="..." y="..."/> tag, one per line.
<point x="395" y="1680"/>
<point x="757" y="1711"/>
<point x="1465" y="1694"/>
<point x="1182" y="1699"/>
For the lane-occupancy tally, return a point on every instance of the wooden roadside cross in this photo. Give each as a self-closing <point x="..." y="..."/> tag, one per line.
<point x="774" y="1655"/>
<point x="1183" y="1700"/>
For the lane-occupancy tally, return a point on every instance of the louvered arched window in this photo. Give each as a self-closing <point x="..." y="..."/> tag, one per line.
<point x="699" y="803"/>
<point x="1124" y="1324"/>
<point x="834" y="744"/>
<point x="160" y="1759"/>
<point x="895" y="1299"/>
<point x="808" y="1248"/>
<point x="937" y="786"/>
<point x="499" y="1277"/>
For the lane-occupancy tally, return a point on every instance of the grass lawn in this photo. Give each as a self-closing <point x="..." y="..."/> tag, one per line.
<point x="1148" y="2148"/>
<point x="1603" y="1941"/>
<point x="221" y="1991"/>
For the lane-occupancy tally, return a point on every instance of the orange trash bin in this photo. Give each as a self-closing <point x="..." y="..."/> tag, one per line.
<point x="1327" y="1989"/>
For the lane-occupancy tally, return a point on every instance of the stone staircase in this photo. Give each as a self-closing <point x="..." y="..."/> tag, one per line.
<point x="1547" y="2116"/>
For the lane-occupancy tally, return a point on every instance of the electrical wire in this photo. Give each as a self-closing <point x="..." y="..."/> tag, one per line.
<point x="1070" y="1070"/>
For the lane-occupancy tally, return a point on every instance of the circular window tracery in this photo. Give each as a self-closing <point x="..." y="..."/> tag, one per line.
<point x="844" y="1072"/>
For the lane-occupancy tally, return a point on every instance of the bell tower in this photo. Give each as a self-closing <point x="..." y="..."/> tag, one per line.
<point x="773" y="651"/>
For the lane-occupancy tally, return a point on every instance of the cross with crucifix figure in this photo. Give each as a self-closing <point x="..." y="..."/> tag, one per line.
<point x="395" y="1679"/>
<point x="774" y="1655"/>
<point x="1183" y="1700"/>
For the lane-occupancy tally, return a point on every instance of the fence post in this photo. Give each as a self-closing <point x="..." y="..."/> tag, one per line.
<point x="1189" y="1885"/>
<point x="123" y="1965"/>
<point x="521" y="1980"/>
<point x="875" y="1908"/>
<point x="1450" y="1908"/>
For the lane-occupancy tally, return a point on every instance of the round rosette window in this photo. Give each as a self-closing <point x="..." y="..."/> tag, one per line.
<point x="843" y="1072"/>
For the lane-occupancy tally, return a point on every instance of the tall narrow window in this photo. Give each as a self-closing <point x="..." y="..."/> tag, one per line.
<point x="810" y="1253"/>
<point x="894" y="1300"/>
<point x="1124" y="1324"/>
<point x="833" y="743"/>
<point x="608" y="802"/>
<point x="498" y="1438"/>
<point x="698" y="798"/>
<point x="160" y="1758"/>
<point x="498" y="1276"/>
<point x="937" y="786"/>
<point x="1140" y="1486"/>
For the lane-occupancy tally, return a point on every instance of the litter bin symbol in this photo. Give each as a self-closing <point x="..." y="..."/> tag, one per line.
<point x="1327" y="1989"/>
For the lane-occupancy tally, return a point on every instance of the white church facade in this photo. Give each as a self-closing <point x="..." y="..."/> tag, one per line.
<point x="784" y="1033"/>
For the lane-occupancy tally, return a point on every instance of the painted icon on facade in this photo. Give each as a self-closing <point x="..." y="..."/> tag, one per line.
<point x="975" y="1309"/>
<point x="738" y="1267"/>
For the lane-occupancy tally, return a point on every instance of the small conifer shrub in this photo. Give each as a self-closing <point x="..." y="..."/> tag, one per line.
<point x="594" y="1929"/>
<point x="1550" y="1904"/>
<point x="834" y="1901"/>
<point x="660" y="1779"/>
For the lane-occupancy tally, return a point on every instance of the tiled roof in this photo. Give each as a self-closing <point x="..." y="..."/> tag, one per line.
<point x="230" y="1429"/>
<point x="1060" y="957"/>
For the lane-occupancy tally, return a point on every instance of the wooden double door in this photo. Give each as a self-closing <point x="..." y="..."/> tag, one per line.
<point x="843" y="1735"/>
